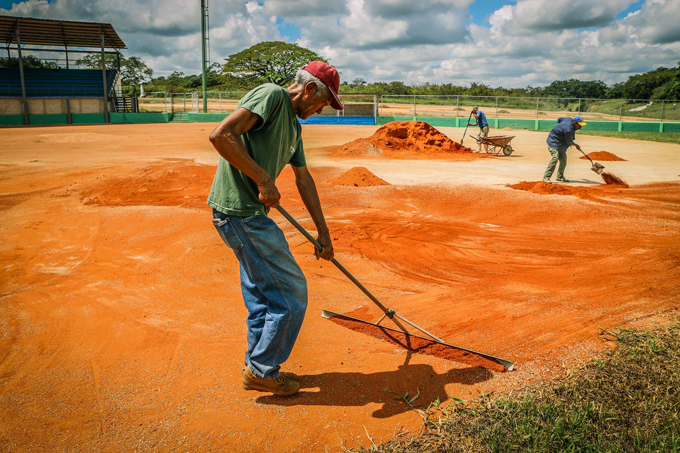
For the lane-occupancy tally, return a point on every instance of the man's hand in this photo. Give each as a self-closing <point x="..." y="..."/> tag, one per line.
<point x="327" y="247"/>
<point x="269" y="194"/>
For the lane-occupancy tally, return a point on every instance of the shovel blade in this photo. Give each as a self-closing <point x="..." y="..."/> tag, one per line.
<point x="597" y="168"/>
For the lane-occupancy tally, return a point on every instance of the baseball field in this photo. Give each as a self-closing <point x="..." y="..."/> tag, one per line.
<point x="122" y="324"/>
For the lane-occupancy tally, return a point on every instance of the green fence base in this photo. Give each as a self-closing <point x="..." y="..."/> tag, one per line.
<point x="500" y="123"/>
<point x="206" y="117"/>
<point x="11" y="120"/>
<point x="143" y="117"/>
<point x="88" y="118"/>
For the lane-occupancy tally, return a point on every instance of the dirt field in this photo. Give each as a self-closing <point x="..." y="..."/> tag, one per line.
<point x="122" y="326"/>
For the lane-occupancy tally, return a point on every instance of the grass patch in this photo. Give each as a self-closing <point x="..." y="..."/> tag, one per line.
<point x="663" y="137"/>
<point x="626" y="400"/>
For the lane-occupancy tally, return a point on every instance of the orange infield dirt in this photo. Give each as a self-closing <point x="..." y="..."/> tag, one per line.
<point x="122" y="324"/>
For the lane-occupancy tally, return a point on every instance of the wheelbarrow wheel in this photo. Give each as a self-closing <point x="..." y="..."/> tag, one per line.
<point x="507" y="150"/>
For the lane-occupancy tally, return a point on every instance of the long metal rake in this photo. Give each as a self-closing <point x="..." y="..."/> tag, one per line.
<point x="387" y="312"/>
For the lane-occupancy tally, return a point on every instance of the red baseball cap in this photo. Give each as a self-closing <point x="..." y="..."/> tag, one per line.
<point x="329" y="76"/>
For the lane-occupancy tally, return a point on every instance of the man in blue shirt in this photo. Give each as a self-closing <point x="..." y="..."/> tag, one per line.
<point x="483" y="127"/>
<point x="560" y="138"/>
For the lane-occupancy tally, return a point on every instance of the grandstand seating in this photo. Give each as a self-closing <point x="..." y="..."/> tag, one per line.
<point x="55" y="83"/>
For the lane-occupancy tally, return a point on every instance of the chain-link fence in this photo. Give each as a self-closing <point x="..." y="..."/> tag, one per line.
<point x="226" y="102"/>
<point x="163" y="101"/>
<point x="529" y="108"/>
<point x="442" y="106"/>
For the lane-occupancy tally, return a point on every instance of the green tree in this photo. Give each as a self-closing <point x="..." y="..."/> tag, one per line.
<point x="133" y="70"/>
<point x="574" y="88"/>
<point x="29" y="61"/>
<point x="642" y="86"/>
<point x="271" y="61"/>
<point x="479" y="89"/>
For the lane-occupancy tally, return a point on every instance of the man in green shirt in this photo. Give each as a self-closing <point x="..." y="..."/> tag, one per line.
<point x="255" y="143"/>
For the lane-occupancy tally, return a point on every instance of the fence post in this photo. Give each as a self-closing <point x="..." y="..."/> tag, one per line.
<point x="375" y="108"/>
<point x="579" y="106"/>
<point x="185" y="102"/>
<point x="457" y="104"/>
<point x="220" y="93"/>
<point x="414" y="107"/>
<point x="661" y="122"/>
<point x="621" y="111"/>
<point x="536" y="124"/>
<point x="382" y="101"/>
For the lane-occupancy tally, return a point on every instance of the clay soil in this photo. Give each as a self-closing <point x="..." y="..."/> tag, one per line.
<point x="399" y="139"/>
<point x="122" y="326"/>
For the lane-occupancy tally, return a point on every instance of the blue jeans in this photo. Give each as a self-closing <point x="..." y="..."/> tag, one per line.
<point x="557" y="156"/>
<point x="273" y="286"/>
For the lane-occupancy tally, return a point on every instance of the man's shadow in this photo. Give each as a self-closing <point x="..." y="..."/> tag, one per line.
<point x="360" y="389"/>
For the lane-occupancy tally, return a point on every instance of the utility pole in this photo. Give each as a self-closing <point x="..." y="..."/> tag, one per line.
<point x="204" y="43"/>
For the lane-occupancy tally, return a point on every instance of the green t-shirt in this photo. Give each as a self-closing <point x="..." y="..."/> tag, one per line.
<point x="273" y="142"/>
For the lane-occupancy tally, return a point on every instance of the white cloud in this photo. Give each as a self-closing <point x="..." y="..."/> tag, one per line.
<point x="657" y="22"/>
<point x="549" y="15"/>
<point x="532" y="42"/>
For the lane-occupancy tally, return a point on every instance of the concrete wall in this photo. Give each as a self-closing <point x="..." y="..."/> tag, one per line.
<point x="11" y="107"/>
<point x="46" y="106"/>
<point x="51" y="106"/>
<point x="88" y="105"/>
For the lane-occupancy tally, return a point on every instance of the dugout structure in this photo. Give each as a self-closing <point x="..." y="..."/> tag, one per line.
<point x="58" y="91"/>
<point x="358" y="109"/>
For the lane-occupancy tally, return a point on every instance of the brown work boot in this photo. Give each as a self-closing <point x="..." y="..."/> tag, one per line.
<point x="291" y="376"/>
<point x="279" y="386"/>
<point x="288" y="375"/>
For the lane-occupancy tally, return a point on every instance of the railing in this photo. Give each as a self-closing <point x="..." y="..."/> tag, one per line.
<point x="530" y="108"/>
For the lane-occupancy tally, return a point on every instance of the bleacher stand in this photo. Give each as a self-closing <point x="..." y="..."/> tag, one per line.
<point x="62" y="91"/>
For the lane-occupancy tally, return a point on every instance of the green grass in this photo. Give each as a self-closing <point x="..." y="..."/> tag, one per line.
<point x="664" y="137"/>
<point x="626" y="400"/>
<point x="613" y="107"/>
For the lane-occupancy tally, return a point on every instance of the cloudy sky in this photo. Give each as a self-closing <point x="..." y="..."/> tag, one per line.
<point x="495" y="42"/>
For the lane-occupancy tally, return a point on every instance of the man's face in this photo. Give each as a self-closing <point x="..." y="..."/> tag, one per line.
<point x="311" y="103"/>
<point x="577" y="126"/>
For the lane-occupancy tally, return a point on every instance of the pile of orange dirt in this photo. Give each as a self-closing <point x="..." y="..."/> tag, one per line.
<point x="542" y="188"/>
<point x="404" y="138"/>
<point x="604" y="156"/>
<point x="613" y="180"/>
<point x="358" y="177"/>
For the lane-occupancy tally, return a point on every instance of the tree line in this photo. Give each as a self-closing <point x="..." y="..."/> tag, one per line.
<point x="277" y="62"/>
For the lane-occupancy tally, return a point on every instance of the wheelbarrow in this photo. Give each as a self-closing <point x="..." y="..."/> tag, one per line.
<point x="496" y="144"/>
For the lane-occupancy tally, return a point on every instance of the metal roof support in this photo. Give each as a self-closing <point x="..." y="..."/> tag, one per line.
<point x="106" y="95"/>
<point x="21" y="75"/>
<point x="204" y="18"/>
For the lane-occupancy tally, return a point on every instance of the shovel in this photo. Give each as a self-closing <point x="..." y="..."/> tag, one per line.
<point x="596" y="166"/>
<point x="388" y="312"/>
<point x="466" y="126"/>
